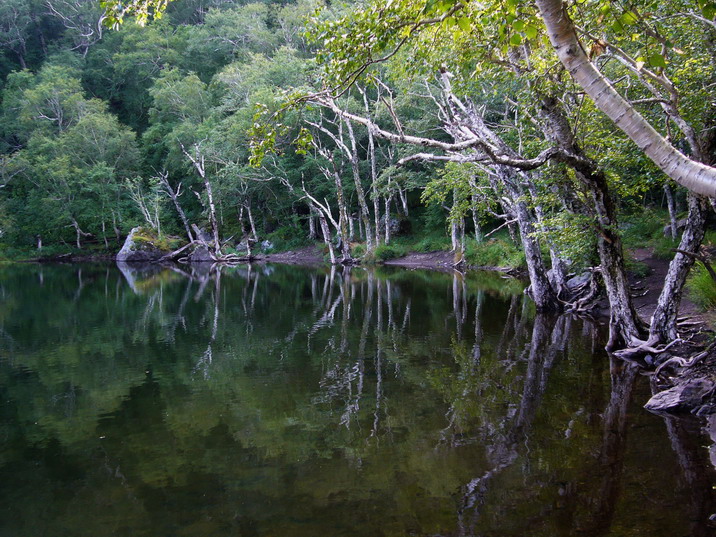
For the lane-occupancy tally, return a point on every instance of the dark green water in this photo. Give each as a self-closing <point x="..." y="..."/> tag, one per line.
<point x="282" y="401"/>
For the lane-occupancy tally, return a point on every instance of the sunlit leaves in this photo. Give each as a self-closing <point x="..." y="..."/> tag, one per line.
<point x="141" y="10"/>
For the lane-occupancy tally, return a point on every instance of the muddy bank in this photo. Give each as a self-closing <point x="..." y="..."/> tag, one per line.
<point x="311" y="256"/>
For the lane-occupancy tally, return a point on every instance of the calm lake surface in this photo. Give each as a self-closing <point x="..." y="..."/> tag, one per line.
<point x="292" y="402"/>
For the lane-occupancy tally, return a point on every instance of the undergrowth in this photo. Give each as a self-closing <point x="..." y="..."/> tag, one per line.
<point x="702" y="288"/>
<point x="494" y="253"/>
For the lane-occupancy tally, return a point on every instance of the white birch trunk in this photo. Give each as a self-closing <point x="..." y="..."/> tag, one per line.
<point x="689" y="173"/>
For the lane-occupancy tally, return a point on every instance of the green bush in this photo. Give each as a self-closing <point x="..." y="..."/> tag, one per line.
<point x="494" y="253"/>
<point x="664" y="247"/>
<point x="384" y="252"/>
<point x="702" y="287"/>
<point x="432" y="244"/>
<point x="358" y="250"/>
<point x="287" y="238"/>
<point x="641" y="230"/>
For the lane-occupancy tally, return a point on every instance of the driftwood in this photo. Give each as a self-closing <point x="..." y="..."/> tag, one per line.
<point x="171" y="256"/>
<point x="180" y="254"/>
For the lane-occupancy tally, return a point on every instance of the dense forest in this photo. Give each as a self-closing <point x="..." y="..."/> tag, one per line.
<point x="503" y="131"/>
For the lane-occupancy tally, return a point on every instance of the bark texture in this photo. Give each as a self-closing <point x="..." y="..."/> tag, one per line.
<point x="689" y="173"/>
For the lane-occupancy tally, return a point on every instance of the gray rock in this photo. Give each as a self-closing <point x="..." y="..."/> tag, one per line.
<point x="267" y="245"/>
<point x="680" y="225"/>
<point x="578" y="281"/>
<point x="136" y="250"/>
<point x="684" y="397"/>
<point x="242" y="247"/>
<point x="201" y="255"/>
<point x="398" y="225"/>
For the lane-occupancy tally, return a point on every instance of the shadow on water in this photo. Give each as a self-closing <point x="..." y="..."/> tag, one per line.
<point x="266" y="400"/>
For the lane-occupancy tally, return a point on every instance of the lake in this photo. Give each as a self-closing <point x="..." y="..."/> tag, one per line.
<point x="287" y="401"/>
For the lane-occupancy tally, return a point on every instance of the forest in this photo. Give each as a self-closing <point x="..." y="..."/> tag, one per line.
<point x="548" y="136"/>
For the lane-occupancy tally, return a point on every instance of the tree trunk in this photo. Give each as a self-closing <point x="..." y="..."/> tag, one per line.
<point x="387" y="220"/>
<point x="327" y="237"/>
<point x="251" y="222"/>
<point x="311" y="225"/>
<point x="663" y="321"/>
<point x="351" y="228"/>
<point x="557" y="273"/>
<point x="78" y="233"/>
<point x="182" y="214"/>
<point x="689" y="173"/>
<point x="342" y="219"/>
<point x="360" y="192"/>
<point x="475" y="220"/>
<point x="671" y="204"/>
<point x="212" y="215"/>
<point x="241" y="221"/>
<point x="403" y="200"/>
<point x="117" y="232"/>
<point x="625" y="325"/>
<point x="198" y="162"/>
<point x="541" y="291"/>
<point x="376" y="216"/>
<point x="104" y="235"/>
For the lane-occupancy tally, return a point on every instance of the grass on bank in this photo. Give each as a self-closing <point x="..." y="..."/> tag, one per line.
<point x="701" y="288"/>
<point x="494" y="252"/>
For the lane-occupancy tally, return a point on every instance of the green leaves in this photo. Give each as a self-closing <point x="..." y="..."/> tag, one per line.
<point x="657" y="60"/>
<point x="708" y="8"/>
<point x="141" y="10"/>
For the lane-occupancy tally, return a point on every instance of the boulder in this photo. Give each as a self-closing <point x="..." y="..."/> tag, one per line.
<point x="399" y="225"/>
<point x="201" y="254"/>
<point x="578" y="281"/>
<point x="684" y="397"/>
<point x="242" y="247"/>
<point x="140" y="246"/>
<point x="267" y="245"/>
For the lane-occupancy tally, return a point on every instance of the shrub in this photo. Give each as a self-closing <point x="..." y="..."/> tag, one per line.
<point x="384" y="252"/>
<point x="664" y="247"/>
<point x="432" y="244"/>
<point x="358" y="250"/>
<point x="702" y="287"/>
<point x="494" y="253"/>
<point x="639" y="231"/>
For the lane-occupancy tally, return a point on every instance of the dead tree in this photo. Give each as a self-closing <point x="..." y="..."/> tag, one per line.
<point x="174" y="194"/>
<point x="198" y="161"/>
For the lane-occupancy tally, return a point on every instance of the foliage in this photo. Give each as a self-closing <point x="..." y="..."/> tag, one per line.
<point x="358" y="250"/>
<point x="494" y="253"/>
<point x="702" y="287"/>
<point x="385" y="252"/>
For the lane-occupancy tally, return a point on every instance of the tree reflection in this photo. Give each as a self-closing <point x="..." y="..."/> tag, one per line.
<point x="357" y="401"/>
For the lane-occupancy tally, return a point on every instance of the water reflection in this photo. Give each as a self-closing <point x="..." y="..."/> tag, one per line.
<point x="262" y="400"/>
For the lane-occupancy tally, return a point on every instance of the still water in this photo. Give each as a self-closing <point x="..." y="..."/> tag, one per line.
<point x="292" y="402"/>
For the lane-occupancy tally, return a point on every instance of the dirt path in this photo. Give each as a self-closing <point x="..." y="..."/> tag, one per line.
<point x="648" y="288"/>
